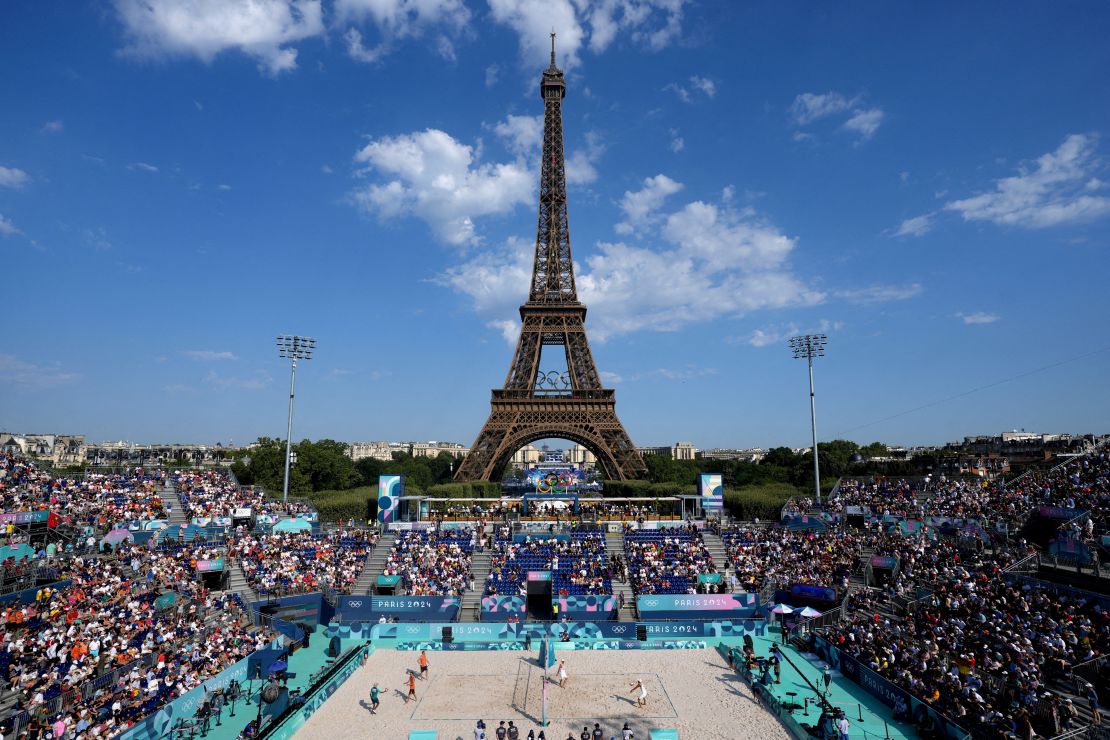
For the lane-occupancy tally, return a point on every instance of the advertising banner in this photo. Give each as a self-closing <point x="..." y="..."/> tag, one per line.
<point x="24" y="517"/>
<point x="500" y="608"/>
<point x="698" y="606"/>
<point x="587" y="606"/>
<point x="884" y="561"/>
<point x="209" y="566"/>
<point x="711" y="487"/>
<point x="1054" y="512"/>
<point x="358" y="608"/>
<point x="504" y="632"/>
<point x="390" y="489"/>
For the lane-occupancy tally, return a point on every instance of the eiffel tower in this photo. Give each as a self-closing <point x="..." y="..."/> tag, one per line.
<point x="537" y="404"/>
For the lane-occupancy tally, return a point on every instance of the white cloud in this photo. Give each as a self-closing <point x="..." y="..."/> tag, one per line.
<point x="437" y="178"/>
<point x="880" y="293"/>
<point x="580" y="168"/>
<point x="703" y="85"/>
<point x="326" y="169"/>
<point x="1057" y="189"/>
<point x="678" y="144"/>
<point x="13" y="177"/>
<point x="641" y="207"/>
<point x="533" y="21"/>
<point x="262" y="29"/>
<point x="30" y="376"/>
<point x="707" y="86"/>
<point x="654" y="24"/>
<point x="682" y="93"/>
<point x="809" y="107"/>
<point x="53" y="127"/>
<point x="260" y="380"/>
<point x="360" y="53"/>
<point x="610" y="378"/>
<point x="714" y="261"/>
<point x="523" y="135"/>
<point x="142" y="166"/>
<point x="402" y="18"/>
<point x="492" y="73"/>
<point x="916" y="226"/>
<point x="865" y="122"/>
<point x="223" y="186"/>
<point x="979" y="317"/>
<point x="7" y="228"/>
<point x="782" y="332"/>
<point x="209" y="355"/>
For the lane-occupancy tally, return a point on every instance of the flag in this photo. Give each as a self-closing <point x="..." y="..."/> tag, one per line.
<point x="52" y="520"/>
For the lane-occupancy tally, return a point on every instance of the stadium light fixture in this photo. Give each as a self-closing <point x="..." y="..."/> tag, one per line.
<point x="807" y="347"/>
<point x="294" y="348"/>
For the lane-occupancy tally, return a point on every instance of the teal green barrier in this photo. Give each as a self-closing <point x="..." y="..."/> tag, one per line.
<point x="664" y="735"/>
<point x="316" y="698"/>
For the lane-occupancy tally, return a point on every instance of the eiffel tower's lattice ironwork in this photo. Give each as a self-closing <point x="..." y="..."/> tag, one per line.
<point x="534" y="403"/>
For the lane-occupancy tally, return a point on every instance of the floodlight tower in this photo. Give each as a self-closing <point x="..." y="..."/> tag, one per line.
<point x="295" y="348"/>
<point x="807" y="347"/>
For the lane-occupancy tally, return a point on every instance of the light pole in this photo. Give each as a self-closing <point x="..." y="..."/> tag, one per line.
<point x="807" y="347"/>
<point x="295" y="348"/>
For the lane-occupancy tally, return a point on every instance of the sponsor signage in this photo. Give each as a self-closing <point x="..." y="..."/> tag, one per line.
<point x="209" y="566"/>
<point x="1058" y="512"/>
<point x="24" y="517"/>
<point x="712" y="489"/>
<point x="406" y="608"/>
<point x="390" y="490"/>
<point x="884" y="561"/>
<point x="698" y="606"/>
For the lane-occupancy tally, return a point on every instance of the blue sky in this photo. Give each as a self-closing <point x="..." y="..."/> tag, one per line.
<point x="180" y="182"/>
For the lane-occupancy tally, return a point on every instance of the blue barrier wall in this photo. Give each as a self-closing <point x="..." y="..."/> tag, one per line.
<point x="307" y="608"/>
<point x="505" y="632"/>
<point x="316" y="698"/>
<point x="27" y="595"/>
<point x="359" y="608"/>
<point x="158" y="724"/>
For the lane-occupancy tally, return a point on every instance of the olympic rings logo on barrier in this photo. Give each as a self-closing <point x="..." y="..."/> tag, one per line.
<point x="555" y="483"/>
<point x="354" y="604"/>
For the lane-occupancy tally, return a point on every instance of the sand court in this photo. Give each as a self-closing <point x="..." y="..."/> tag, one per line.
<point x="692" y="691"/>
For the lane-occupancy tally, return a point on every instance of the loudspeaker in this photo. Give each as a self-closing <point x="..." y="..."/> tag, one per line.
<point x="447" y="636"/>
<point x="641" y="632"/>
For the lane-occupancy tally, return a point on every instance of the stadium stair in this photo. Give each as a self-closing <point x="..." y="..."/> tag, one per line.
<point x="614" y="545"/>
<point x="169" y="497"/>
<point x="237" y="582"/>
<point x="375" y="564"/>
<point x="716" y="547"/>
<point x="471" y="605"/>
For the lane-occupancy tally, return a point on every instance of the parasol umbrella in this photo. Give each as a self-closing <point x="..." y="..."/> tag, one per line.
<point x="277" y="666"/>
<point x="782" y="609"/>
<point x="117" y="536"/>
<point x="809" y="612"/>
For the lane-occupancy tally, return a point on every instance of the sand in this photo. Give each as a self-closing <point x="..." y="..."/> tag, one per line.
<point x="692" y="691"/>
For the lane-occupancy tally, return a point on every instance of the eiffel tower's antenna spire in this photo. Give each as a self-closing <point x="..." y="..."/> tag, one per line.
<point x="553" y="48"/>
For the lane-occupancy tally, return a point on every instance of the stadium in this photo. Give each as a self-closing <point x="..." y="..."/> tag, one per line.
<point x="494" y="592"/>
<point x="181" y="604"/>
